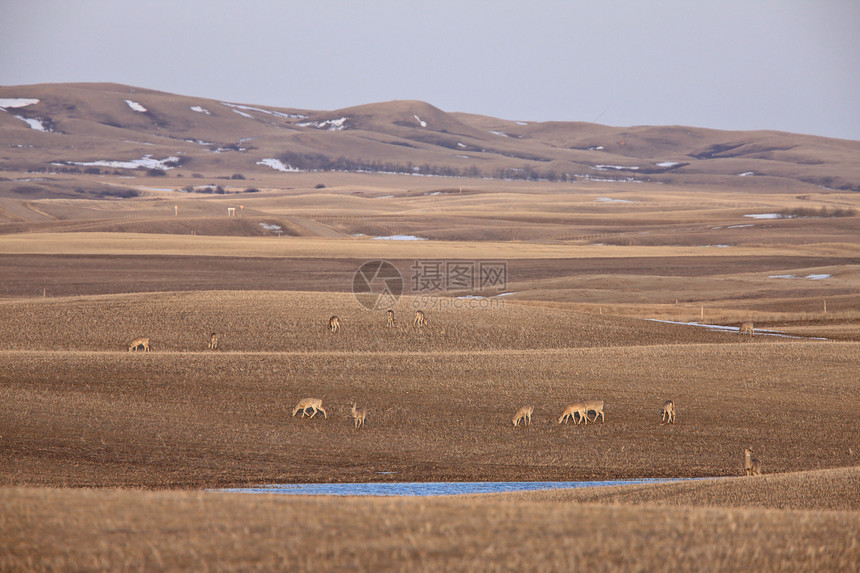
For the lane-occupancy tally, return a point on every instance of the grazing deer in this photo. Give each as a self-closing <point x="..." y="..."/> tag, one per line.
<point x="524" y="414"/>
<point x="306" y="404"/>
<point x="358" y="415"/>
<point x="390" y="318"/>
<point x="747" y="328"/>
<point x="334" y="324"/>
<point x="751" y="465"/>
<point x="420" y="319"/>
<point x="570" y="410"/>
<point x="139" y="343"/>
<point x="668" y="414"/>
<point x="213" y="341"/>
<point x="595" y="406"/>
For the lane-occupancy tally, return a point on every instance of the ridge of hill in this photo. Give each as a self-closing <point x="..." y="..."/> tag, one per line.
<point x="91" y="127"/>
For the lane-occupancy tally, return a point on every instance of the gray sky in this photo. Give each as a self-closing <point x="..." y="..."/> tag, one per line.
<point x="791" y="65"/>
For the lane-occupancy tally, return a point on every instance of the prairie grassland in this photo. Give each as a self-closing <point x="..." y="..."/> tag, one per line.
<point x="85" y="243"/>
<point x="106" y="530"/>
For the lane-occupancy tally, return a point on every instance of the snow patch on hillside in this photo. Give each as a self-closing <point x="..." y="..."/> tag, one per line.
<point x="418" y="119"/>
<point x="135" y="106"/>
<point x="200" y="109"/>
<point x="7" y="102"/>
<point x="242" y="109"/>
<point x="328" y="124"/>
<point x="33" y="123"/>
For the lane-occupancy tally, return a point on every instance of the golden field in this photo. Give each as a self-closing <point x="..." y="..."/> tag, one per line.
<point x="107" y="456"/>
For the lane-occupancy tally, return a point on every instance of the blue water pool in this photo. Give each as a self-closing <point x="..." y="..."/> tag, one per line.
<point x="429" y="488"/>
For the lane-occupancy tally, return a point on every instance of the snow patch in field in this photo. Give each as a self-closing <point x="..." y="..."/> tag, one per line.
<point x="146" y="162"/>
<point x="135" y="106"/>
<point x="739" y="226"/>
<point x="668" y="164"/>
<point x="12" y="102"/>
<point x="613" y="200"/>
<point x="418" y="119"/>
<point x="501" y="133"/>
<point x="270" y="227"/>
<point x="769" y="216"/>
<point x="401" y="238"/>
<point x="199" y="109"/>
<point x="278" y="165"/>
<point x="813" y="277"/>
<point x="746" y="174"/>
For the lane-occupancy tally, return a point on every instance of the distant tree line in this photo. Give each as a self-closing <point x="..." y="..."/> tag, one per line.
<point x="320" y="162"/>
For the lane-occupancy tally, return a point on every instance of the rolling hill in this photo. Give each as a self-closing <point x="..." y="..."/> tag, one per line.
<point x="98" y="128"/>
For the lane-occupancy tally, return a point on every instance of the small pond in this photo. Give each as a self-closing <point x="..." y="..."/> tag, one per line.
<point x="430" y="488"/>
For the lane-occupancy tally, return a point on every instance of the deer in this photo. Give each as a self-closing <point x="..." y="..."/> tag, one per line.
<point x="570" y="410"/>
<point x="595" y="406"/>
<point x="358" y="415"/>
<point x="668" y="413"/>
<point x="334" y="324"/>
<point x="746" y="328"/>
<point x="390" y="322"/>
<point x="523" y="415"/>
<point x="213" y="341"/>
<point x="306" y="404"/>
<point x="751" y="465"/>
<point x="139" y="343"/>
<point x="420" y="319"/>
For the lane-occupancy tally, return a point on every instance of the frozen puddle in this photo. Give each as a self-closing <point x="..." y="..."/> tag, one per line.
<point x="411" y="489"/>
<point x="758" y="331"/>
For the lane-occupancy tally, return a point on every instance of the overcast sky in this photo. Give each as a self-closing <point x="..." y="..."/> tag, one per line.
<point x="791" y="65"/>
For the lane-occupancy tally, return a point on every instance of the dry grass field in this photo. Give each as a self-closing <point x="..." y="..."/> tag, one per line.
<point x="107" y="456"/>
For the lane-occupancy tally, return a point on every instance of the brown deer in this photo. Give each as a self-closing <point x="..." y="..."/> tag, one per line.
<point x="139" y="343"/>
<point x="390" y="318"/>
<point x="668" y="414"/>
<point x="751" y="465"/>
<point x="570" y="410"/>
<point x="358" y="415"/>
<point x="213" y="341"/>
<point x="334" y="324"/>
<point x="524" y="415"/>
<point x="306" y="404"/>
<point x="747" y="328"/>
<point x="420" y="319"/>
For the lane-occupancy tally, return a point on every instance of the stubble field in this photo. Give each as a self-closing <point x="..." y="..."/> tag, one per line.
<point x="105" y="452"/>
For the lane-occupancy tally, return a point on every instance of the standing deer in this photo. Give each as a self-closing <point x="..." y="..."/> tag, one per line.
<point x="334" y="324"/>
<point x="420" y="319"/>
<point x="668" y="414"/>
<point x="213" y="341"/>
<point x="358" y="415"/>
<point x="524" y="414"/>
<point x="390" y="318"/>
<point x="747" y="328"/>
<point x="751" y="465"/>
<point x="139" y="343"/>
